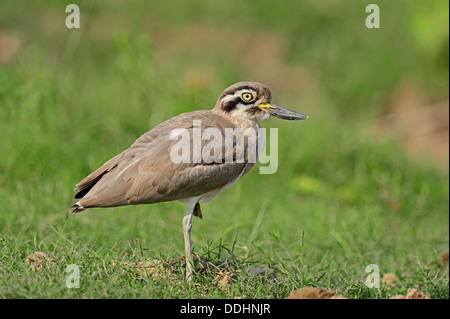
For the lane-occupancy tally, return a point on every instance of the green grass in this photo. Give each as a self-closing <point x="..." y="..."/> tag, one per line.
<point x="341" y="199"/>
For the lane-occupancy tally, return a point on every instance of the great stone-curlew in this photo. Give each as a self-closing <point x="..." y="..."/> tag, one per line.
<point x="189" y="157"/>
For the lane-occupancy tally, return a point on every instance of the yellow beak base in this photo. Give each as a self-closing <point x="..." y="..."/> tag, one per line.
<point x="265" y="106"/>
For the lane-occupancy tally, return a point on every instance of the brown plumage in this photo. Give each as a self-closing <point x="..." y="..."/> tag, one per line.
<point x="145" y="173"/>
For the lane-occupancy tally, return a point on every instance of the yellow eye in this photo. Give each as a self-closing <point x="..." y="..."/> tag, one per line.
<point x="247" y="96"/>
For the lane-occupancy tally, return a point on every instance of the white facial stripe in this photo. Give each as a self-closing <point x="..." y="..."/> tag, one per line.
<point x="237" y="94"/>
<point x="228" y="98"/>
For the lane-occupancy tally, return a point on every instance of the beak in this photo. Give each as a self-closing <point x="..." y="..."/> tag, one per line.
<point x="281" y="113"/>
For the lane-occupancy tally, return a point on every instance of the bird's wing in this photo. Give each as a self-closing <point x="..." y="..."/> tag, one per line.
<point x="146" y="173"/>
<point x="94" y="177"/>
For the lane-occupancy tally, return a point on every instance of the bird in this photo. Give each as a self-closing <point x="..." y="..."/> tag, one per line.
<point x="151" y="170"/>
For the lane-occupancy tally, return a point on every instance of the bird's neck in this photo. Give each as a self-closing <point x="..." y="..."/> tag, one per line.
<point x="236" y="120"/>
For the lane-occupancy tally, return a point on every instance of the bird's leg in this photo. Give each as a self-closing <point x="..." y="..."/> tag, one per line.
<point x="187" y="225"/>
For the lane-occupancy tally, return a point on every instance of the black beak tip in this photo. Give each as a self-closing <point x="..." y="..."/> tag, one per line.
<point x="301" y="117"/>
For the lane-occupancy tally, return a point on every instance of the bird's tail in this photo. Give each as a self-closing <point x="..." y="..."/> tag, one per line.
<point x="78" y="208"/>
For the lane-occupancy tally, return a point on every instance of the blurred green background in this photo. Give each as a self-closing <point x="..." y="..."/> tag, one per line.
<point x="363" y="181"/>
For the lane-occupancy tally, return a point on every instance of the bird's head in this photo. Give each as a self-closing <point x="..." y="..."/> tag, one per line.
<point x="252" y="101"/>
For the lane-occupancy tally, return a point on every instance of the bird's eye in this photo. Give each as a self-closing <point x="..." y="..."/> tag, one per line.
<point x="247" y="96"/>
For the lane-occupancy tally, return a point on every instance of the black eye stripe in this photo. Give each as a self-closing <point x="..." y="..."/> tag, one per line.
<point x="228" y="106"/>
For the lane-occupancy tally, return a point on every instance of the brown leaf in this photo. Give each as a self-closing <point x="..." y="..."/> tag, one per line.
<point x="442" y="264"/>
<point x="389" y="279"/>
<point x="39" y="260"/>
<point x="223" y="277"/>
<point x="416" y="294"/>
<point x="313" y="293"/>
<point x="412" y="294"/>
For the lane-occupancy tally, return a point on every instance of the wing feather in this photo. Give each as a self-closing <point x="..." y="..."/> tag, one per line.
<point x="145" y="173"/>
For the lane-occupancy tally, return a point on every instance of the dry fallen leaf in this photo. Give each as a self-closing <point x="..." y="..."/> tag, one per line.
<point x="313" y="293"/>
<point x="412" y="294"/>
<point x="442" y="264"/>
<point x="223" y="277"/>
<point x="389" y="279"/>
<point x="39" y="260"/>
